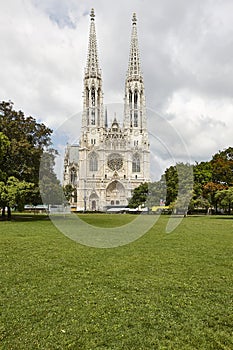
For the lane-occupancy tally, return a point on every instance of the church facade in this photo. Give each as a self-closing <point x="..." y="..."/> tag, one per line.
<point x="110" y="160"/>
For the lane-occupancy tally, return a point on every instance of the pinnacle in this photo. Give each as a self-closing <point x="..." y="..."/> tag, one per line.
<point x="92" y="67"/>
<point x="92" y="14"/>
<point x="134" y="19"/>
<point x="134" y="58"/>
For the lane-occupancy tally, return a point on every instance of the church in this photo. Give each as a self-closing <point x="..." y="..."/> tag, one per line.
<point x="111" y="160"/>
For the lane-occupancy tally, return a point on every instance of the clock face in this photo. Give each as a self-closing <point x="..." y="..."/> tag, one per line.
<point x="115" y="161"/>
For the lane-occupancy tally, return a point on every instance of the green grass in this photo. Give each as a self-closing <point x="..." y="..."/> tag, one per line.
<point x="109" y="220"/>
<point x="164" y="291"/>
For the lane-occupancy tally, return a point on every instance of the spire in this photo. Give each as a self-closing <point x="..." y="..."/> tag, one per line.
<point x="92" y="68"/>
<point x="93" y="112"/>
<point x="134" y="68"/>
<point x="135" y="107"/>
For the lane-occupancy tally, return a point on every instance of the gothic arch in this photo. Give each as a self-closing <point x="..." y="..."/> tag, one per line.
<point x="93" y="162"/>
<point x="115" y="192"/>
<point x="136" y="166"/>
<point x="94" y="201"/>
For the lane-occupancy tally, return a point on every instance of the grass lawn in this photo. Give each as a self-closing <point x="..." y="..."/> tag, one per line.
<point x="163" y="291"/>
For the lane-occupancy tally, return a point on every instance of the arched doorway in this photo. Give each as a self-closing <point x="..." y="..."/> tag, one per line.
<point x="93" y="205"/>
<point x="115" y="193"/>
<point x="93" y="202"/>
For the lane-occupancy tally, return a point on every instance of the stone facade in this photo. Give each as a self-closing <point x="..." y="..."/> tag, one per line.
<point x="110" y="160"/>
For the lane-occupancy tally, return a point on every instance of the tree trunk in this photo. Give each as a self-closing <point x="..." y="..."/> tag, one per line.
<point x="3" y="212"/>
<point x="8" y="213"/>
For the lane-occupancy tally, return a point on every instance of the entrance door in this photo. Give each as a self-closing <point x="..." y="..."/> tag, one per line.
<point x="93" y="205"/>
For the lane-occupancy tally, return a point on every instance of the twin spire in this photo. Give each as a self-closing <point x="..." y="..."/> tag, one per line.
<point x="93" y="111"/>
<point x="92" y="68"/>
<point x="134" y="68"/>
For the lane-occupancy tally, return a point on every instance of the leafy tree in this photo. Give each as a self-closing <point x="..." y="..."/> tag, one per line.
<point x="175" y="186"/>
<point x="28" y="141"/>
<point x="68" y="191"/>
<point x="50" y="188"/>
<point x="199" y="203"/>
<point x="156" y="192"/>
<point x="225" y="197"/>
<point x="179" y="183"/>
<point x="222" y="165"/>
<point x="171" y="177"/>
<point x="202" y="173"/>
<point x="209" y="191"/>
<point x="14" y="192"/>
<point x="140" y="195"/>
<point x="4" y="145"/>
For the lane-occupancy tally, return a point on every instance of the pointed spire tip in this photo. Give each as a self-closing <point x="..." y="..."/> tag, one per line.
<point x="134" y="19"/>
<point x="92" y="14"/>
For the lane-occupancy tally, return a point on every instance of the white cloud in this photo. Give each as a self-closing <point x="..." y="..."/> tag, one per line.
<point x="205" y="124"/>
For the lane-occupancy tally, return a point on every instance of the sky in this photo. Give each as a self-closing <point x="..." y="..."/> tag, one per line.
<point x="186" y="51"/>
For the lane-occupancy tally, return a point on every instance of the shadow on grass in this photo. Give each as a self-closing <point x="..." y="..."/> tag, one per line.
<point x="26" y="217"/>
<point x="224" y="217"/>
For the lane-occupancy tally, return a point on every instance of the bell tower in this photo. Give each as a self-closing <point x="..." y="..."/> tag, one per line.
<point x="93" y="93"/>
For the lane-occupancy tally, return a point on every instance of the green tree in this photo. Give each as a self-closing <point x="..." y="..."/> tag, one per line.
<point x="50" y="188"/>
<point x="209" y="191"/>
<point x="68" y="191"/>
<point x="222" y="165"/>
<point x="171" y="177"/>
<point x="27" y="141"/>
<point x="4" y="145"/>
<point x="156" y="192"/>
<point x="225" y="198"/>
<point x="179" y="184"/>
<point x="202" y="173"/>
<point x="13" y="193"/>
<point x="200" y="203"/>
<point x="139" y="196"/>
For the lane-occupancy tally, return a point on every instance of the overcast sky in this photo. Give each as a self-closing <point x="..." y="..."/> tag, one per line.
<point x="186" y="50"/>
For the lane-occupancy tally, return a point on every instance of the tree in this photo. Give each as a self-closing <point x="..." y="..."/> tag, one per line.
<point x="14" y="192"/>
<point x="22" y="158"/>
<point x="199" y="203"/>
<point x="225" y="198"/>
<point x="171" y="177"/>
<point x="179" y="184"/>
<point x="50" y="188"/>
<point x="140" y="195"/>
<point x="175" y="186"/>
<point x="202" y="173"/>
<point x="209" y="191"/>
<point x="23" y="142"/>
<point x="4" y="145"/>
<point x="156" y="192"/>
<point x="222" y="165"/>
<point x="68" y="191"/>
